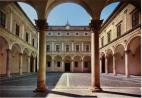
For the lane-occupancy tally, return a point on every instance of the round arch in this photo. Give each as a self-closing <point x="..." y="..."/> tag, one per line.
<point x="77" y="66"/>
<point x="87" y="64"/>
<point x="15" y="60"/>
<point x="134" y="56"/>
<point x="3" y="54"/>
<point x="120" y="59"/>
<point x="58" y="63"/>
<point x="49" y="63"/>
<point x="109" y="56"/>
<point x="82" y="4"/>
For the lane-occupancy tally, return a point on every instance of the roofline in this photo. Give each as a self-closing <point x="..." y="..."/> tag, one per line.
<point x="25" y="15"/>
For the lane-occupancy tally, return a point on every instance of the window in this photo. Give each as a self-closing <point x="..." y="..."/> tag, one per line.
<point x="49" y="33"/>
<point x="49" y="64"/>
<point x="57" y="48"/>
<point x="102" y="41"/>
<point x="135" y="18"/>
<point x="58" y="64"/>
<point x="77" y="48"/>
<point x="17" y="30"/>
<point x="108" y="36"/>
<point x="58" y="33"/>
<point x="2" y="19"/>
<point x="67" y="48"/>
<point x="118" y="30"/>
<point x="48" y="48"/>
<point x="33" y="42"/>
<point x="86" y="33"/>
<point x="76" y="64"/>
<point x="76" y="33"/>
<point x="68" y="33"/>
<point x="87" y="48"/>
<point x="27" y="37"/>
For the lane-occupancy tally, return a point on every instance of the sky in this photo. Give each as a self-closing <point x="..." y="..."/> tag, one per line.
<point x="73" y="13"/>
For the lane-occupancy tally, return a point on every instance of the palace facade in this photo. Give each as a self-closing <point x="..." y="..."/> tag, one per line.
<point x="120" y="42"/>
<point x="18" y="41"/>
<point x="68" y="49"/>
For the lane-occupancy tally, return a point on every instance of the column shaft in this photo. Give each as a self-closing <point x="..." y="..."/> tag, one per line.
<point x="20" y="63"/>
<point x="72" y="66"/>
<point x="126" y="63"/>
<point x="82" y="65"/>
<point x="106" y="65"/>
<point x="114" y="65"/>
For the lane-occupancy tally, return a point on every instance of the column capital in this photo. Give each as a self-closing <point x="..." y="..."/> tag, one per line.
<point x="95" y="25"/>
<point x="41" y="24"/>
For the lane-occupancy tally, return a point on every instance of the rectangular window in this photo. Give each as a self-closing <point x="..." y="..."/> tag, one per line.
<point x="57" y="48"/>
<point x="49" y="64"/>
<point x="58" y="64"/>
<point x="109" y="36"/>
<point x="67" y="48"/>
<point x="87" y="48"/>
<point x="48" y="48"/>
<point x="17" y="30"/>
<point x="2" y="19"/>
<point x="118" y="30"/>
<point x="77" y="48"/>
<point x="76" y="64"/>
<point x="33" y="42"/>
<point x="135" y="18"/>
<point x="27" y="37"/>
<point x="102" y="41"/>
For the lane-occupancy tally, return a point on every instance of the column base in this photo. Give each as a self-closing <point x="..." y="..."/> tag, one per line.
<point x="40" y="90"/>
<point x="96" y="89"/>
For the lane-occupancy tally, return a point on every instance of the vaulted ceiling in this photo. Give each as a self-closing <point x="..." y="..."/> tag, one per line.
<point x="93" y="7"/>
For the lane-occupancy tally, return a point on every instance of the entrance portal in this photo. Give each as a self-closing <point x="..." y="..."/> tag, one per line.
<point x="67" y="67"/>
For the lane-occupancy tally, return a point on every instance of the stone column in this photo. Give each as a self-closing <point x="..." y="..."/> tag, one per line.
<point x="82" y="65"/>
<point x="8" y="59"/>
<point x="72" y="66"/>
<point x="95" y="67"/>
<point x="100" y="65"/>
<point x="114" y="65"/>
<point x="41" y="80"/>
<point x="34" y="64"/>
<point x="29" y="63"/>
<point x="106" y="65"/>
<point x="52" y="64"/>
<point x="126" y="63"/>
<point x="20" y="63"/>
<point x="11" y="21"/>
<point x="62" y="63"/>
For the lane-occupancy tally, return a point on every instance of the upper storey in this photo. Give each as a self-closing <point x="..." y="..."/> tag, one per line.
<point x="16" y="22"/>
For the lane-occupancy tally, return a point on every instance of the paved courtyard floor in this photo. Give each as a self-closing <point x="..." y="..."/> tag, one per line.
<point x="72" y="85"/>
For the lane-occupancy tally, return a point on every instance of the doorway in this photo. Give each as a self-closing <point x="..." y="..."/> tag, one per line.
<point x="67" y="67"/>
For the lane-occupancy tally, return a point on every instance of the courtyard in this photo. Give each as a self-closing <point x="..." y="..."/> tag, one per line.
<point x="75" y="85"/>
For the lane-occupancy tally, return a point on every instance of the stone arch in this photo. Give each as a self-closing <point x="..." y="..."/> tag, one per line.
<point x="68" y="63"/>
<point x="134" y="56"/>
<point x="49" y="63"/>
<point x="58" y="63"/>
<point x="109" y="57"/>
<point x="3" y="54"/>
<point x="87" y="64"/>
<point x="103" y="67"/>
<point x="120" y="59"/>
<point x="25" y="65"/>
<point x="77" y="66"/>
<point x="15" y="60"/>
<point x="82" y="4"/>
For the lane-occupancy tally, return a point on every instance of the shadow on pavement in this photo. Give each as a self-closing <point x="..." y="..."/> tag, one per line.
<point x="120" y="93"/>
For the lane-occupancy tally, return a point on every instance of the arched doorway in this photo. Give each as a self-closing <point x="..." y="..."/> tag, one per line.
<point x="87" y="64"/>
<point x="49" y="63"/>
<point x="58" y="63"/>
<point x="120" y="59"/>
<point x="25" y="65"/>
<point x="103" y="63"/>
<point x="32" y="62"/>
<point x="110" y="61"/>
<point x="77" y="64"/>
<point x="15" y="60"/>
<point x="68" y="66"/>
<point x="134" y="56"/>
<point x="3" y="55"/>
